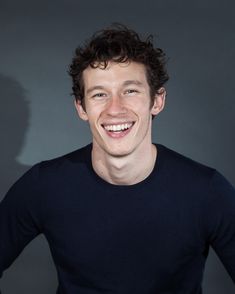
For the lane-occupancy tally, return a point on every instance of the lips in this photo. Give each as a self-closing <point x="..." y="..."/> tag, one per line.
<point x="118" y="130"/>
<point x="117" y="127"/>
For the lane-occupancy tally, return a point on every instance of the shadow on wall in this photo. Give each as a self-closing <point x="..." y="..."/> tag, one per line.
<point x="33" y="271"/>
<point x="14" y="120"/>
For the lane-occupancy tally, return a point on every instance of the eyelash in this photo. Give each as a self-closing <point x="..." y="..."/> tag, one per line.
<point x="130" y="91"/>
<point x="99" y="95"/>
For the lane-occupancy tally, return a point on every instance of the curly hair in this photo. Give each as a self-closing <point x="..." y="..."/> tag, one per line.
<point x="119" y="44"/>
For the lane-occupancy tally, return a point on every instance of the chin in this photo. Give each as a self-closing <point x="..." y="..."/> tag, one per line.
<point x="119" y="152"/>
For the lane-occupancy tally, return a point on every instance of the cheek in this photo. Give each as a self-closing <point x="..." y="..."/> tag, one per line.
<point x="93" y="118"/>
<point x="143" y="109"/>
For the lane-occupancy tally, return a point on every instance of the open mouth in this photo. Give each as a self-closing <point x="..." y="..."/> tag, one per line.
<point x="118" y="128"/>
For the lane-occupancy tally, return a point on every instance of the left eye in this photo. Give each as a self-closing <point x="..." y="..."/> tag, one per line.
<point x="130" y="91"/>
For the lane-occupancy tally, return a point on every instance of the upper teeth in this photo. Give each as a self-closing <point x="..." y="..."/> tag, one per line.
<point x="120" y="127"/>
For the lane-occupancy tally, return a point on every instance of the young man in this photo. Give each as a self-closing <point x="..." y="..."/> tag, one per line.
<point x="121" y="215"/>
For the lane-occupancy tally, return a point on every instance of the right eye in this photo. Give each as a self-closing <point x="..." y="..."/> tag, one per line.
<point x="98" y="95"/>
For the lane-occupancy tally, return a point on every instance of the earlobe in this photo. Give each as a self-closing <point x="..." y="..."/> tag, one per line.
<point x="80" y="110"/>
<point x="159" y="102"/>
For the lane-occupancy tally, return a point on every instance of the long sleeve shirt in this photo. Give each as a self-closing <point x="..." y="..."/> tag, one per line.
<point x="147" y="238"/>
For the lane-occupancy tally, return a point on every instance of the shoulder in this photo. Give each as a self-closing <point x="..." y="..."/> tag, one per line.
<point x="53" y="170"/>
<point x="181" y="166"/>
<point x="181" y="171"/>
<point x="197" y="184"/>
<point x="78" y="156"/>
<point x="195" y="179"/>
<point x="76" y="159"/>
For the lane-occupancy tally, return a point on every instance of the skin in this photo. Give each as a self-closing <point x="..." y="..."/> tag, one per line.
<point x="119" y="96"/>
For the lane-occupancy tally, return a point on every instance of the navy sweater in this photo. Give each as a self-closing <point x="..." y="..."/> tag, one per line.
<point x="149" y="238"/>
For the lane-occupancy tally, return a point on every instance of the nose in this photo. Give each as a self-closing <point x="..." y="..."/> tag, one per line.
<point x="115" y="106"/>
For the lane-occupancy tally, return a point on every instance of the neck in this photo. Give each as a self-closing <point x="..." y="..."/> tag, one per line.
<point x="126" y="170"/>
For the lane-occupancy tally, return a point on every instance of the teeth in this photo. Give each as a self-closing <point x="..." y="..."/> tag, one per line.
<point x="118" y="128"/>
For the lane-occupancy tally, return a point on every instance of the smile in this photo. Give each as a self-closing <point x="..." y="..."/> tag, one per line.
<point x="118" y="127"/>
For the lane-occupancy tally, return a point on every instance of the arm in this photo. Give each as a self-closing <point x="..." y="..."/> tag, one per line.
<point x="221" y="220"/>
<point x="19" y="218"/>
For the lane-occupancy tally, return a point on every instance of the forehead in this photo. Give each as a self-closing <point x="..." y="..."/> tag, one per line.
<point x="114" y="74"/>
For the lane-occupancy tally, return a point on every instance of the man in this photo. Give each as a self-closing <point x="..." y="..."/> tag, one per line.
<point x="121" y="215"/>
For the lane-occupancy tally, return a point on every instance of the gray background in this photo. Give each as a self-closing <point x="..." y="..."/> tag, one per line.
<point x="38" y="121"/>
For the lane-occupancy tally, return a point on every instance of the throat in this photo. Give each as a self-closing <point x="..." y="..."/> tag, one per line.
<point x="125" y="170"/>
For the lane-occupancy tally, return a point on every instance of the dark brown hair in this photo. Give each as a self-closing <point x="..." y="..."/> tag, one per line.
<point x="119" y="44"/>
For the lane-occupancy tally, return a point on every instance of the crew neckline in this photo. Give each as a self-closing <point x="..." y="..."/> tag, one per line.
<point x="154" y="173"/>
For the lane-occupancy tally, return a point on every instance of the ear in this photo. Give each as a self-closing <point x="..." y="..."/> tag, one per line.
<point x="80" y="110"/>
<point x="159" y="101"/>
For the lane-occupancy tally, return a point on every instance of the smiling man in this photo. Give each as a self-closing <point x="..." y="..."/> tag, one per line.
<point x="122" y="215"/>
<point x="119" y="109"/>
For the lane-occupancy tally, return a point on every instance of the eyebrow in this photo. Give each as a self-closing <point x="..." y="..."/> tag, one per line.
<point x="125" y="83"/>
<point x="132" y="82"/>
<point x="94" y="88"/>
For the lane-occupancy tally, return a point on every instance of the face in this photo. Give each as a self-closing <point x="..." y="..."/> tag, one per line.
<point x="117" y="107"/>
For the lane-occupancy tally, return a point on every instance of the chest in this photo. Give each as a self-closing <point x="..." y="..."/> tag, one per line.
<point x="101" y="230"/>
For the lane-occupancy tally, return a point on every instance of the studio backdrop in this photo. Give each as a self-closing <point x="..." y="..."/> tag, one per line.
<point x="38" y="120"/>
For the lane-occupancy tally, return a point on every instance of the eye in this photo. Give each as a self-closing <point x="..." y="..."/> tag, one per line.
<point x="98" y="95"/>
<point x="131" y="91"/>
